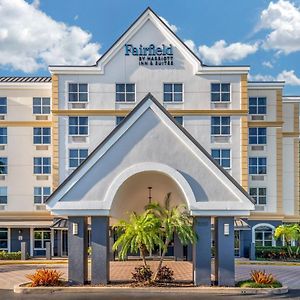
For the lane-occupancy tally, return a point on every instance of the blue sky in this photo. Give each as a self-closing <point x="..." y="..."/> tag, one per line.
<point x="259" y="33"/>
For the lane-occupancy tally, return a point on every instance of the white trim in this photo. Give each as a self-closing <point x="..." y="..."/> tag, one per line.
<point x="150" y="167"/>
<point x="266" y="225"/>
<point x="265" y="85"/>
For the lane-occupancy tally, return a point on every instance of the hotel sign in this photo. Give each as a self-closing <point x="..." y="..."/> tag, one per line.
<point x="151" y="55"/>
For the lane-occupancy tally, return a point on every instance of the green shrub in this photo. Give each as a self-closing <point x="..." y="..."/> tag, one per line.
<point x="4" y="255"/>
<point x="252" y="284"/>
<point x="274" y="253"/>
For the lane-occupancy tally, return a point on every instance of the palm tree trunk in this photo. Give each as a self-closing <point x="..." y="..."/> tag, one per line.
<point x="167" y="242"/>
<point x="142" y="250"/>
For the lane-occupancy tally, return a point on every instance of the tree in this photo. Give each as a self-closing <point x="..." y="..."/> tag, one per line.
<point x="140" y="233"/>
<point x="289" y="232"/>
<point x="172" y="220"/>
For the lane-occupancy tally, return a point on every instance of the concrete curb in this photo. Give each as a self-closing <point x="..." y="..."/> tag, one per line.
<point x="113" y="290"/>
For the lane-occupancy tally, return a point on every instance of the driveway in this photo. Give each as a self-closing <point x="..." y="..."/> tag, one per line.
<point x="15" y="274"/>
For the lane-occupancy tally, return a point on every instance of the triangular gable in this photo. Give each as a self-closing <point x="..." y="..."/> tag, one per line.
<point x="149" y="14"/>
<point x="244" y="202"/>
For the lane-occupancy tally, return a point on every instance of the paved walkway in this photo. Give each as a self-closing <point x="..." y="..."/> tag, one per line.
<point x="120" y="271"/>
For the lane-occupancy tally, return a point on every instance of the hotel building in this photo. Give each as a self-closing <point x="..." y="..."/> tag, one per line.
<point x="50" y="125"/>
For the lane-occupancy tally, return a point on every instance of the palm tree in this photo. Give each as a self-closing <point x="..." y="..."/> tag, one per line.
<point x="288" y="232"/>
<point x="140" y="233"/>
<point x="173" y="220"/>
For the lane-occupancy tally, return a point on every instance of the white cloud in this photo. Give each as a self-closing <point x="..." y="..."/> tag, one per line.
<point x="36" y="40"/>
<point x="283" y="20"/>
<point x="289" y="77"/>
<point x="220" y="51"/>
<point x="173" y="27"/>
<point x="267" y="64"/>
<point x="191" y="44"/>
<point x="36" y="3"/>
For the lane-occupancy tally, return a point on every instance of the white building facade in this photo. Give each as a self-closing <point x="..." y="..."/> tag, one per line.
<point x="249" y="128"/>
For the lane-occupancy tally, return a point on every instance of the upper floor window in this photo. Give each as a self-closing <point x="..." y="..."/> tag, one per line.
<point x="220" y="92"/>
<point x="78" y="92"/>
<point x="41" y="194"/>
<point x="220" y="125"/>
<point x="125" y="92"/>
<point x="42" y="165"/>
<point x="258" y="136"/>
<point x="3" y="165"/>
<point x="76" y="157"/>
<point x="259" y="194"/>
<point x="257" y="165"/>
<point x="42" y="135"/>
<point x="173" y="92"/>
<point x="3" y="105"/>
<point x="257" y="105"/>
<point x="41" y="106"/>
<point x="3" y="195"/>
<point x="222" y="157"/>
<point x="119" y="119"/>
<point x="179" y="120"/>
<point x="78" y="126"/>
<point x="3" y="135"/>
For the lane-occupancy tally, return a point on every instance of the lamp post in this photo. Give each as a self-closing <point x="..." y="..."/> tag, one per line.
<point x="149" y="194"/>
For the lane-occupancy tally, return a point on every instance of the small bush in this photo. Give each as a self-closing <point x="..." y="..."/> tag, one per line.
<point x="275" y="253"/>
<point x="252" y="284"/>
<point x="45" y="277"/>
<point x="165" y="274"/>
<point x="261" y="277"/>
<point x="142" y="274"/>
<point x="4" y="255"/>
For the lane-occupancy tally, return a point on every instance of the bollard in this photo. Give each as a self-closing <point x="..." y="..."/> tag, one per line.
<point x="252" y="252"/>
<point x="24" y="251"/>
<point x="48" y="250"/>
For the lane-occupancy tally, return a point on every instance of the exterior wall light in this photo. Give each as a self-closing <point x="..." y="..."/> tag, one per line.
<point x="75" y="228"/>
<point x="226" y="229"/>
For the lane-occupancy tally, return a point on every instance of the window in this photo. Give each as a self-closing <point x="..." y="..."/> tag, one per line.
<point x="41" y="194"/>
<point x="78" y="125"/>
<point x="222" y="157"/>
<point x="119" y="120"/>
<point x="257" y="105"/>
<point x="258" y="136"/>
<point x="220" y="125"/>
<point x="3" y="165"/>
<point x="263" y="236"/>
<point x="42" y="135"/>
<point x="42" y="165"/>
<point x="259" y="194"/>
<point x="41" y="236"/>
<point x="220" y="92"/>
<point x="78" y="92"/>
<point x="3" y="239"/>
<point x="179" y="120"/>
<point x="3" y="135"/>
<point x="77" y="156"/>
<point x="3" y="195"/>
<point x="41" y="106"/>
<point x="3" y="105"/>
<point x="257" y="165"/>
<point x="173" y="92"/>
<point x="125" y="92"/>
